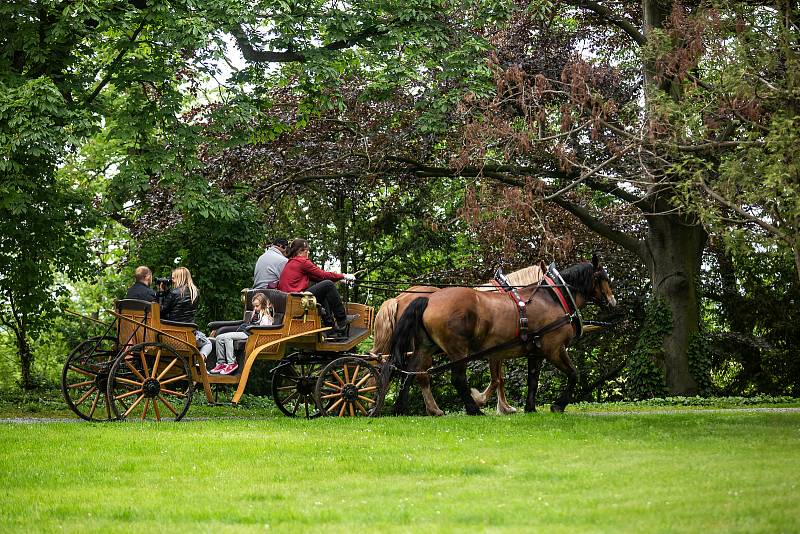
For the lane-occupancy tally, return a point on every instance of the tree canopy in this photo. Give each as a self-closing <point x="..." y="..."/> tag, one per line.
<point x="418" y="140"/>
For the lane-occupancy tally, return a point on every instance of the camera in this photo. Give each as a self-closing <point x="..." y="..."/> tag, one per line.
<point x="163" y="283"/>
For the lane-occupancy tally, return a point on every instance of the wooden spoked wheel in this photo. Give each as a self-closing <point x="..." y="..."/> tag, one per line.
<point x="84" y="378"/>
<point x="347" y="387"/>
<point x="293" y="388"/>
<point x="150" y="381"/>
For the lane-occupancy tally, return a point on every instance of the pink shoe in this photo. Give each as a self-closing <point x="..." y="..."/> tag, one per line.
<point x="218" y="369"/>
<point x="230" y="368"/>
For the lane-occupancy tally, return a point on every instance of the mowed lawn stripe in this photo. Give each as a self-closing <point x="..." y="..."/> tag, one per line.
<point x="684" y="472"/>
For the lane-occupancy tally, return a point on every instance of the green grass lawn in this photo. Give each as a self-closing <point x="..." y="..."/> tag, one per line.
<point x="683" y="472"/>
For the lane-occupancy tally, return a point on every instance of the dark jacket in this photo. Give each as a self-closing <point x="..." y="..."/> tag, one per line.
<point x="140" y="291"/>
<point x="178" y="307"/>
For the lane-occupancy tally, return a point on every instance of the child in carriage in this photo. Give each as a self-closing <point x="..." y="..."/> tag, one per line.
<point x="226" y="358"/>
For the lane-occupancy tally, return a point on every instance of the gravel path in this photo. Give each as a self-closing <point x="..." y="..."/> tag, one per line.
<point x="666" y="411"/>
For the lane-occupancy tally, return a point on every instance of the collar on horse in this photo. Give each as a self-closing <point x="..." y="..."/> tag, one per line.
<point x="555" y="282"/>
<point x="505" y="287"/>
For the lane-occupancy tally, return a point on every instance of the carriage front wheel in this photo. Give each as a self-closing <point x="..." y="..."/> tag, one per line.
<point x="347" y="387"/>
<point x="150" y="381"/>
<point x="293" y="384"/>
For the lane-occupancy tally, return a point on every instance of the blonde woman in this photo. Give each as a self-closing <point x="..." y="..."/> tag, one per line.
<point x="180" y="305"/>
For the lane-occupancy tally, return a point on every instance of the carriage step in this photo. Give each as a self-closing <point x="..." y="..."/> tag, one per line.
<point x="224" y="379"/>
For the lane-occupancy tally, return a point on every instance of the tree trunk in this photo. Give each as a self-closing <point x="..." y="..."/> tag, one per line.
<point x="16" y="324"/>
<point x="24" y="353"/>
<point x="26" y="363"/>
<point x="674" y="246"/>
<point x="674" y="255"/>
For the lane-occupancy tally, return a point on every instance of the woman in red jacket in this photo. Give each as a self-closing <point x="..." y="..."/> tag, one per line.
<point x="300" y="273"/>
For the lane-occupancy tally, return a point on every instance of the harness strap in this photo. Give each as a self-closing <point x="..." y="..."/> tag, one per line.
<point x="555" y="325"/>
<point x="502" y="284"/>
<point x="573" y="311"/>
<point x="554" y="287"/>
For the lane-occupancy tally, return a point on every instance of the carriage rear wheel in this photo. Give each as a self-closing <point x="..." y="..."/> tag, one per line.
<point x="347" y="387"/>
<point x="293" y="388"/>
<point x="150" y="381"/>
<point x="85" y="376"/>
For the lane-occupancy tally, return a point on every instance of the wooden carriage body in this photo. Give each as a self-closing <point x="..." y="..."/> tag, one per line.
<point x="144" y="361"/>
<point x="297" y="326"/>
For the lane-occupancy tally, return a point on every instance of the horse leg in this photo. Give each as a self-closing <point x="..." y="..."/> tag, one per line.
<point x="503" y="407"/>
<point x="415" y="364"/>
<point x="431" y="407"/>
<point x="401" y="404"/>
<point x="565" y="364"/>
<point x="534" y="367"/>
<point x="480" y="398"/>
<point x="458" y="377"/>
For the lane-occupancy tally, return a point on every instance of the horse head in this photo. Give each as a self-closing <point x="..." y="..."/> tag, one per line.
<point x="601" y="286"/>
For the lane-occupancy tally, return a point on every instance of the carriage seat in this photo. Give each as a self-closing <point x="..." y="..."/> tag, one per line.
<point x="278" y="300"/>
<point x="176" y="323"/>
<point x="132" y="304"/>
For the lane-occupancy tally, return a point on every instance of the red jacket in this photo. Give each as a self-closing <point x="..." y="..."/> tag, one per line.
<point x="300" y="272"/>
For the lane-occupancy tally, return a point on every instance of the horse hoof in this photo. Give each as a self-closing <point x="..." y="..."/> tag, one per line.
<point x="555" y="408"/>
<point x="507" y="410"/>
<point x="477" y="396"/>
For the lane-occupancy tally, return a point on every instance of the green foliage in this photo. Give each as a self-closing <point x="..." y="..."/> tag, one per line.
<point x="646" y="364"/>
<point x="219" y="252"/>
<point x="44" y="216"/>
<point x="700" y="363"/>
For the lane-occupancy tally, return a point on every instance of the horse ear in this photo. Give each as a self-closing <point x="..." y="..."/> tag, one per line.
<point x="595" y="261"/>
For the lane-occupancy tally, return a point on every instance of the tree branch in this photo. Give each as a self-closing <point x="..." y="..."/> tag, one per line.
<point x="599" y="227"/>
<point x="253" y="55"/>
<point x="113" y="65"/>
<point x="763" y="224"/>
<point x="503" y="173"/>
<point x="587" y="175"/>
<point x="606" y="14"/>
<point x="615" y="190"/>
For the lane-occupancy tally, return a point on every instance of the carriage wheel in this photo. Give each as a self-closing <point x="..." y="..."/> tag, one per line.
<point x="85" y="376"/>
<point x="150" y="380"/>
<point x="347" y="387"/>
<point x="293" y="388"/>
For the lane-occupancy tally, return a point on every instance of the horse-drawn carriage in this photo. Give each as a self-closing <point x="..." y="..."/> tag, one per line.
<point x="144" y="366"/>
<point x="147" y="367"/>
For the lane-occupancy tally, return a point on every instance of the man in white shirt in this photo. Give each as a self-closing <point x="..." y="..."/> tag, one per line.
<point x="270" y="265"/>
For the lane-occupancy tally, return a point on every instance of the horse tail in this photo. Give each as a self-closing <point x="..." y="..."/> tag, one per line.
<point x="385" y="321"/>
<point x="405" y="331"/>
<point x="402" y="341"/>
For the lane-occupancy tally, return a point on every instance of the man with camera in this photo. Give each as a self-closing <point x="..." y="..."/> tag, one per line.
<point x="140" y="290"/>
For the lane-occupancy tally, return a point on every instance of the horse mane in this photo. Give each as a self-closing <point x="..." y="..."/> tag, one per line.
<point x="521" y="278"/>
<point x="580" y="276"/>
<point x="525" y="277"/>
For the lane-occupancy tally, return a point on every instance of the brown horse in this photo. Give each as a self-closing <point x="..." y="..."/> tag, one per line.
<point x="391" y="309"/>
<point x="461" y="322"/>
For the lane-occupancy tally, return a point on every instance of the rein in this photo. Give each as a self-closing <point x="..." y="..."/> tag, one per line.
<point x="558" y="323"/>
<point x="387" y="285"/>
